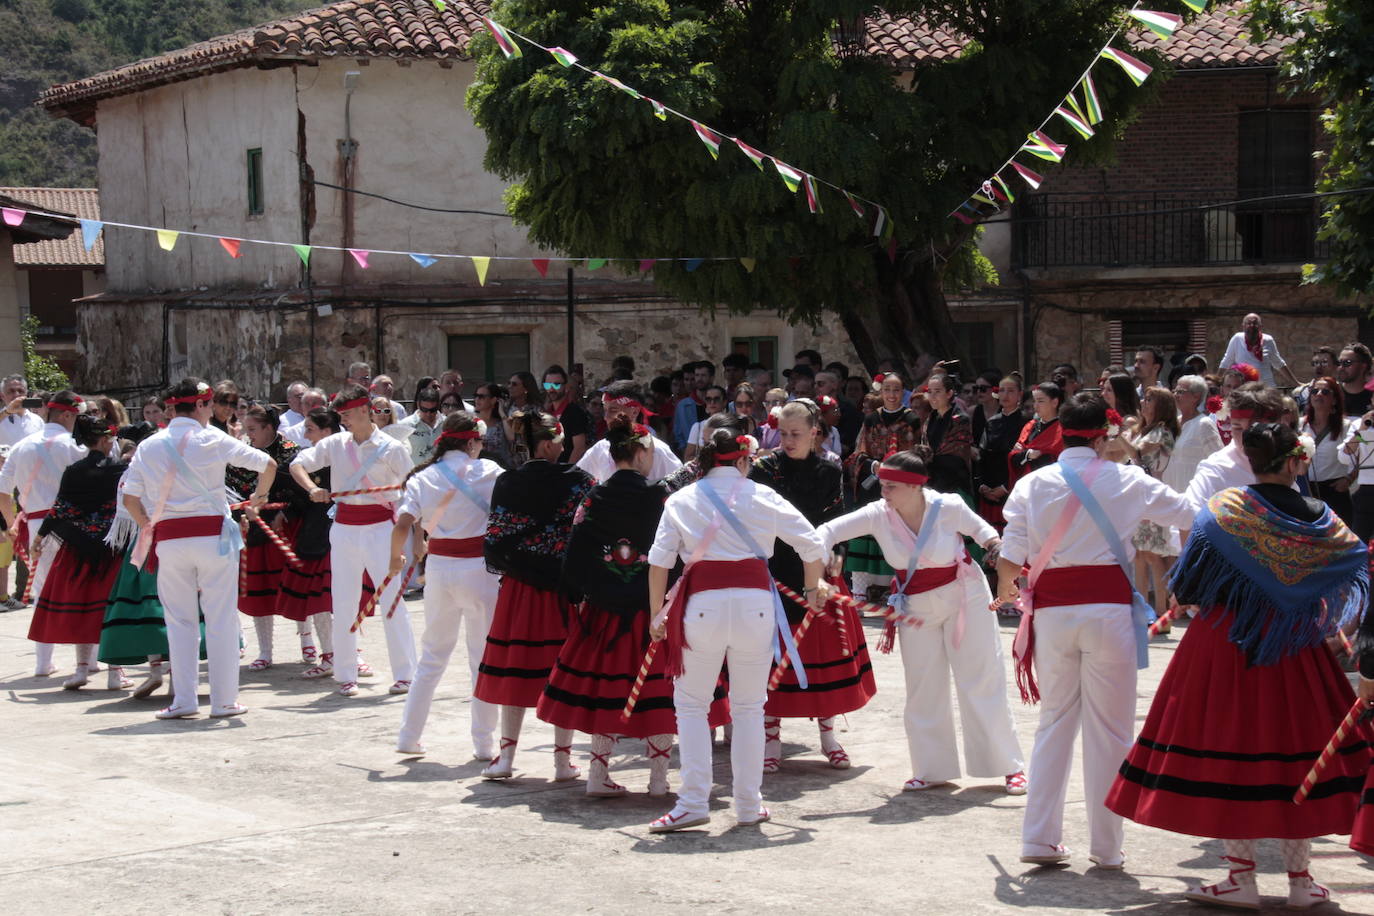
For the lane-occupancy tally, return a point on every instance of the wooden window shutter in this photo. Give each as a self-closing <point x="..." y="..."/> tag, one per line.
<point x="1114" y="343"/>
<point x="1197" y="335"/>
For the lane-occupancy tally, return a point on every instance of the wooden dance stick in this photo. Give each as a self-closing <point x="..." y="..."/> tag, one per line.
<point x="396" y="602"/>
<point x="639" y="681"/>
<point x="1173" y="613"/>
<point x="392" y="486"/>
<point x="263" y="508"/>
<point x="371" y="603"/>
<point x="275" y="538"/>
<point x="1348" y="724"/>
<point x="781" y="668"/>
<point x="21" y="550"/>
<point x="837" y="619"/>
<point x="1345" y="643"/>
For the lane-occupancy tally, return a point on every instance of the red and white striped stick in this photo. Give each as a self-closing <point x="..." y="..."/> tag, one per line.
<point x="277" y="539"/>
<point x="639" y="681"/>
<point x="366" y="490"/>
<point x="1173" y="613"/>
<point x="781" y="668"/>
<point x="1348" y="724"/>
<point x="837" y="614"/>
<point x="396" y="602"/>
<point x="243" y="573"/>
<point x="1345" y="643"/>
<point x="264" y="508"/>
<point x="371" y="603"/>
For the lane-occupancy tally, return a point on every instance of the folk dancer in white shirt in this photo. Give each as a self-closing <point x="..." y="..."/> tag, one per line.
<point x="360" y="538"/>
<point x="449" y="497"/>
<point x="1080" y="629"/>
<point x="725" y="609"/>
<point x="1251" y="402"/>
<point x="622" y="403"/>
<point x="174" y="491"/>
<point x="921" y="533"/>
<point x="34" y="467"/>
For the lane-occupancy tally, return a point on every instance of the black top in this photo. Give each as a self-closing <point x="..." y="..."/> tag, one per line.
<point x="312" y="540"/>
<point x="532" y="512"/>
<point x="1356" y="405"/>
<point x="1290" y="502"/>
<point x="999" y="437"/>
<point x="84" y="510"/>
<point x="576" y="422"/>
<point x="814" y="487"/>
<point x="284" y="488"/>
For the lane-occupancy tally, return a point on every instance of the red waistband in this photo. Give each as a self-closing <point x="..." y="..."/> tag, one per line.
<point x="366" y="514"/>
<point x="194" y="526"/>
<point x="37" y="513"/>
<point x="710" y="575"/>
<point x="458" y="548"/>
<point x="1070" y="585"/>
<point x="925" y="580"/>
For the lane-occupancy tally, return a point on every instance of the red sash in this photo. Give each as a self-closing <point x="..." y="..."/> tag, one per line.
<point x="929" y="579"/>
<point x="458" y="548"/>
<point x="174" y="529"/>
<point x="366" y="514"/>
<point x="706" y="576"/>
<point x="1070" y="585"/>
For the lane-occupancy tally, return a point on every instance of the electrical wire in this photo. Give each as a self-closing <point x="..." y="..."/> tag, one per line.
<point x="402" y="203"/>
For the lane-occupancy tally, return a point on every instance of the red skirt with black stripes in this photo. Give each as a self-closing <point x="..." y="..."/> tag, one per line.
<point x="71" y="608"/>
<point x="528" y="629"/>
<point x="839" y="673"/>
<point x="1226" y="745"/>
<point x="595" y="671"/>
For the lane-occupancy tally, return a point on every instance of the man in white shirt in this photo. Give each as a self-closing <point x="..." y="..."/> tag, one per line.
<point x="360" y="539"/>
<point x="17" y="422"/>
<point x="294" y="413"/>
<point x="621" y="399"/>
<point x="174" y="491"/>
<point x="1198" y="438"/>
<point x="1251" y="402"/>
<point x="34" y="467"/>
<point x="424" y="425"/>
<point x="311" y="399"/>
<point x="1251" y="345"/>
<point x="1084" y="640"/>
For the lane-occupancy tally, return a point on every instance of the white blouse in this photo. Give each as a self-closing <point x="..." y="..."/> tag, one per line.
<point x="944" y="546"/>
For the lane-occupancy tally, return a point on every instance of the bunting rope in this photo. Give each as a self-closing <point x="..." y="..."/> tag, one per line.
<point x="1081" y="118"/>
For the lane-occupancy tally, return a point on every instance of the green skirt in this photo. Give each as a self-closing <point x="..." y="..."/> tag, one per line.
<point x="865" y="556"/>
<point x="134" y="628"/>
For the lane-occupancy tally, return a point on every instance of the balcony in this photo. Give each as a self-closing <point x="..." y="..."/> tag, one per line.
<point x="1162" y="229"/>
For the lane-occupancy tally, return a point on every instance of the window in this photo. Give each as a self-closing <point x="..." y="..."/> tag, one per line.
<point x="1275" y="157"/>
<point x="1174" y="336"/>
<point x="255" y="190"/>
<point x="976" y="339"/>
<point x="762" y="350"/>
<point x="489" y="357"/>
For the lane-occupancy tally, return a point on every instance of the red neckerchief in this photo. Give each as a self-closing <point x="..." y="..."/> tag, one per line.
<point x="1257" y="349"/>
<point x="558" y="411"/>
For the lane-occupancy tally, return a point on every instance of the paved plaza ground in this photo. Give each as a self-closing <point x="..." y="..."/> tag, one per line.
<point x="302" y="807"/>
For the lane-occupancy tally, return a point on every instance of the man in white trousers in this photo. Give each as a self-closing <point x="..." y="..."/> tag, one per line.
<point x="1085" y="644"/>
<point x="361" y="457"/>
<point x="174" y="491"/>
<point x="34" y="467"/>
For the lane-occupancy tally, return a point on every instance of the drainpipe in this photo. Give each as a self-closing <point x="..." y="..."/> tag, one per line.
<point x="348" y="151"/>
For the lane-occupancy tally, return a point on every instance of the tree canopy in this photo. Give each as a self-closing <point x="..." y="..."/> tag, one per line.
<point x="594" y="172"/>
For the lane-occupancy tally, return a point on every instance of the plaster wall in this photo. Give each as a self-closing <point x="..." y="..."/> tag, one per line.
<point x="11" y="351"/>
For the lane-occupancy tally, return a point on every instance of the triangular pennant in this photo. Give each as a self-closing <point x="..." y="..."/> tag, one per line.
<point x="423" y="260"/>
<point x="617" y="84"/>
<point x="481" y="265"/>
<point x="659" y="111"/>
<point x="1162" y="24"/>
<point x="790" y="176"/>
<point x="1075" y="121"/>
<point x="167" y="239"/>
<point x="880" y="226"/>
<point x="360" y="255"/>
<point x="231" y="246"/>
<point x="754" y="155"/>
<point x="984" y="199"/>
<point x="563" y="56"/>
<point x="1092" y="106"/>
<point x="596" y="263"/>
<point x="13" y="217"/>
<point x="962" y="218"/>
<point x="693" y="263"/>
<point x="1029" y="177"/>
<point x="709" y="137"/>
<point x="1005" y="188"/>
<point x="646" y="264"/>
<point x="541" y="265"/>
<point x="813" y="199"/>
<point x="503" y="39"/>
<point x="1071" y="100"/>
<point x="440" y="5"/>
<point x="1137" y="70"/>
<point x="90" y="231"/>
<point x="303" y="252"/>
<point x="854" y="205"/>
<point x="748" y="264"/>
<point x="1040" y="144"/>
<point x="1196" y="6"/>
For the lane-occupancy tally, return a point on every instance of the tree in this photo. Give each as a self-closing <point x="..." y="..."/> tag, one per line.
<point x="42" y="372"/>
<point x="1332" y="55"/>
<point x="595" y="173"/>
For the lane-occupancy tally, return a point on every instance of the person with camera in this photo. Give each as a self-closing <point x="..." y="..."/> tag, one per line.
<point x="1357" y="451"/>
<point x="18" y="420"/>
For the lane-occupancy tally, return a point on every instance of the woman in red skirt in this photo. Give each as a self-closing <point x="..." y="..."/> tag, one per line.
<point x="304" y="592"/>
<point x="839" y="673"/>
<point x="1253" y="693"/>
<point x="532" y="512"/>
<point x="71" y="607"/>
<point x="607" y="567"/>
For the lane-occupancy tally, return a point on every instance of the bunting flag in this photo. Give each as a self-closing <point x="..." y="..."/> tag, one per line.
<point x="1004" y="188"/>
<point x="985" y="198"/>
<point x="854" y="205"/>
<point x="503" y="39"/>
<point x="813" y="201"/>
<point x="90" y="231"/>
<point x="1092" y="105"/>
<point x="880" y="227"/>
<point x="1028" y="176"/>
<point x="563" y="56"/>
<point x="1075" y="119"/>
<point x="229" y="245"/>
<point x="659" y="111"/>
<point x="541" y="265"/>
<point x="441" y="5"/>
<point x="1162" y="24"/>
<point x="360" y="256"/>
<point x="755" y="156"/>
<point x="13" y="217"/>
<point x="646" y="264"/>
<point x="617" y="84"/>
<point x="1196" y="6"/>
<point x="167" y="238"/>
<point x="1137" y="70"/>
<point x="790" y="176"/>
<point x="709" y="137"/>
<point x="1040" y="144"/>
<point x="959" y="215"/>
<point x="423" y="260"/>
<point x="748" y="264"/>
<point x="303" y="252"/>
<point x="693" y="263"/>
<point x="596" y="263"/>
<point x="480" y="264"/>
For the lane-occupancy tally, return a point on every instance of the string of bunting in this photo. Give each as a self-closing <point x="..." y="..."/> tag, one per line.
<point x="873" y="213"/>
<point x="1081" y="116"/>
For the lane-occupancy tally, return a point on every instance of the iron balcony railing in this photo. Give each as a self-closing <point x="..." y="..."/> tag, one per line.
<point x="1163" y="229"/>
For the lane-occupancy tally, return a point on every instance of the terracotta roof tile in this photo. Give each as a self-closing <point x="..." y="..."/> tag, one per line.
<point x="68" y="252"/>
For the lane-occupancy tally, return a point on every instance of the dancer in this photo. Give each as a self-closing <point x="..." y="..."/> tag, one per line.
<point x="1362" y="835"/>
<point x="34" y="468"/>
<point x="71" y="607"/>
<point x="724" y="609"/>
<point x="360" y="538"/>
<point x="622" y="402"/>
<point x="532" y="512"/>
<point x="921" y="532"/>
<point x="839" y="678"/>
<point x="1275" y="574"/>
<point x="1252" y="402"/>
<point x="450" y="497"/>
<point x="607" y="569"/>
<point x="305" y="590"/>
<point x="1085" y="629"/>
<point x="180" y="472"/>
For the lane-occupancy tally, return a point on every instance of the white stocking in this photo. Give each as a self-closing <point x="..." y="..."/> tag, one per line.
<point x="263" y="626"/>
<point x="562" y="754"/>
<point x="660" y="749"/>
<point x="1297" y="856"/>
<point x="599" y="775"/>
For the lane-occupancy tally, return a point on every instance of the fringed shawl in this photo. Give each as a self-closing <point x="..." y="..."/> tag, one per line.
<point x="1289" y="584"/>
<point x="84" y="511"/>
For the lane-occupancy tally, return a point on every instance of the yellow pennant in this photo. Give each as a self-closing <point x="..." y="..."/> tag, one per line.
<point x="167" y="238"/>
<point x="481" y="265"/>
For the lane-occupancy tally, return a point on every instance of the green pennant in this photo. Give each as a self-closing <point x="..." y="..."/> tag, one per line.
<point x="303" y="252"/>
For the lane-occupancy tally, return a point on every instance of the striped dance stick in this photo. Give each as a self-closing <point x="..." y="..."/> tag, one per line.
<point x="1172" y="613"/>
<point x="781" y="668"/>
<point x="264" y="508"/>
<point x="837" y="619"/>
<point x="363" y="492"/>
<point x="396" y="602"/>
<point x="1348" y="724"/>
<point x="277" y="539"/>
<point x="1345" y="643"/>
<point x="371" y="603"/>
<point x="639" y="681"/>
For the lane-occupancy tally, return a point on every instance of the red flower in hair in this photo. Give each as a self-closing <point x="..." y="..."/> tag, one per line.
<point x="1113" y="418"/>
<point x="1214" y="403"/>
<point x="640" y="431"/>
<point x="880" y="377"/>
<point x="742" y="440"/>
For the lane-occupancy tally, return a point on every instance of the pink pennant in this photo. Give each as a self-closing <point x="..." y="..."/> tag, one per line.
<point x="1029" y="176"/>
<point x="541" y="265"/>
<point x="646" y="264"/>
<point x="13" y="217"/>
<point x="360" y="256"/>
<point x="231" y="246"/>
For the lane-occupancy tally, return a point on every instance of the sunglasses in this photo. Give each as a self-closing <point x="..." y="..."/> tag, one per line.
<point x="744" y="403"/>
<point x="228" y="403"/>
<point x="427" y="409"/>
<point x="982" y="387"/>
<point x="381" y="413"/>
<point x="553" y="386"/>
<point x="1324" y="392"/>
<point x="1345" y="362"/>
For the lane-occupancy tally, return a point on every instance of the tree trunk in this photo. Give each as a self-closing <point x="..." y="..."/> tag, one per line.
<point x="907" y="317"/>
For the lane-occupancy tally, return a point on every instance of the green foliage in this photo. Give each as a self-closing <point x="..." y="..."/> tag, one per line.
<point x="43" y="42"/>
<point x="42" y="372"/>
<point x="1332" y="55"/>
<point x="595" y="173"/>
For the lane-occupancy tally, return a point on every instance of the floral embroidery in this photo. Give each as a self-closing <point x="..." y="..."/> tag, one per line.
<point x="624" y="560"/>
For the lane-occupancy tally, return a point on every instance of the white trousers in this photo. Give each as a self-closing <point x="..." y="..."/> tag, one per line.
<point x="192" y="578"/>
<point x="353" y="550"/>
<point x="928" y="658"/>
<point x="42" y="651"/>
<point x="733" y="625"/>
<point x="456" y="590"/>
<point x="1085" y="666"/>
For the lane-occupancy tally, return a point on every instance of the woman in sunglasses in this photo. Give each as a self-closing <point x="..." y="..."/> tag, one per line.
<point x="1325" y="422"/>
<point x="489" y="406"/>
<point x="384" y="417"/>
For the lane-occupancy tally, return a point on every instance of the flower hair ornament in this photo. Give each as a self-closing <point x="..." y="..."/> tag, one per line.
<point x="643" y="435"/>
<point x="1113" y="422"/>
<point x="745" y="446"/>
<point x="1216" y="406"/>
<point x="558" y="432"/>
<point x="1250" y="373"/>
<point x="773" y="413"/>
<point x="1305" y="448"/>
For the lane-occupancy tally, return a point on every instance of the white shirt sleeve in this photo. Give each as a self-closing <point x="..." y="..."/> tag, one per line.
<point x="410" y="499"/>
<point x="1271" y="350"/>
<point x="1234" y="348"/>
<point x="969" y="523"/>
<point x="852" y="525"/>
<point x="1015" y="536"/>
<point x="667" y="541"/>
<point x="791" y="527"/>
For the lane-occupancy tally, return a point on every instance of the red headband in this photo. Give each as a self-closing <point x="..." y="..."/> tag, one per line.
<point x="206" y="395"/>
<point x="68" y="408"/>
<point x="356" y="402"/>
<point x="627" y="402"/>
<point x="896" y="475"/>
<point x="1084" y="433"/>
<point x="1243" y="414"/>
<point x="460" y="435"/>
<point x="742" y="452"/>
